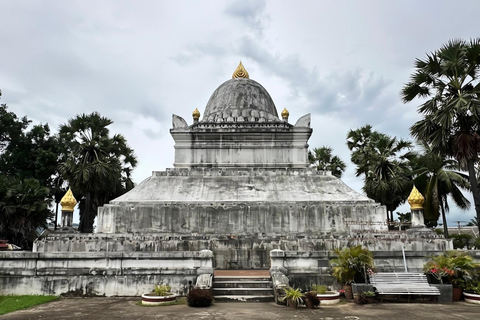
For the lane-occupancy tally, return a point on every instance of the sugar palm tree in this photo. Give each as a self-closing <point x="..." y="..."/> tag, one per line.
<point x="449" y="79"/>
<point x="441" y="178"/>
<point x="384" y="161"/>
<point x="322" y="159"/>
<point x="96" y="166"/>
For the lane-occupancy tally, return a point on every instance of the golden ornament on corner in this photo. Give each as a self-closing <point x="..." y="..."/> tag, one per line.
<point x="415" y="199"/>
<point x="196" y="114"/>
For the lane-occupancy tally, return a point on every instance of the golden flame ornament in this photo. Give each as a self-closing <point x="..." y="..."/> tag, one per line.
<point x="285" y="113"/>
<point x="240" y="72"/>
<point x="415" y="199"/>
<point x="68" y="201"/>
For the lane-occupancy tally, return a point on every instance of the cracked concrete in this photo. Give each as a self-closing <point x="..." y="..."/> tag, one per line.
<point x="126" y="308"/>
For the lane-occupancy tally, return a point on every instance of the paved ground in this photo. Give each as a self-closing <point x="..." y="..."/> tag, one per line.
<point x="126" y="308"/>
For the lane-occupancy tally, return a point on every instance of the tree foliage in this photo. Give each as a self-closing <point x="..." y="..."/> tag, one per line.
<point x="384" y="163"/>
<point x="96" y="166"/>
<point x="323" y="159"/>
<point x="28" y="163"/>
<point x="448" y="79"/>
<point x="438" y="179"/>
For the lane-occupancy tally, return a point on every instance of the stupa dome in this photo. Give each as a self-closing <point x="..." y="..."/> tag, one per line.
<point x="240" y="100"/>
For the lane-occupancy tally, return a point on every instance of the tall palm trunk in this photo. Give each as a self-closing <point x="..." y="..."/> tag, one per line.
<point x="84" y="225"/>
<point x="444" y="218"/>
<point x="474" y="186"/>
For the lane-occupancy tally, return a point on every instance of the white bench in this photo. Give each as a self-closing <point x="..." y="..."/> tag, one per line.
<point x="403" y="284"/>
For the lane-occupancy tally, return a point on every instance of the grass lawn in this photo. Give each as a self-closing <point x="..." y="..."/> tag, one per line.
<point x="14" y="303"/>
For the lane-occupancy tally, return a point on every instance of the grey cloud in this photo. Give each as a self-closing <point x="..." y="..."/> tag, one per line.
<point x="250" y="12"/>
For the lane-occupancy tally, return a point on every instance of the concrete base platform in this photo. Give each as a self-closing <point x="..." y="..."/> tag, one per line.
<point x="127" y="308"/>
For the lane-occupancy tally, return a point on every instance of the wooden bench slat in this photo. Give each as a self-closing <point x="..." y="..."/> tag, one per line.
<point x="403" y="284"/>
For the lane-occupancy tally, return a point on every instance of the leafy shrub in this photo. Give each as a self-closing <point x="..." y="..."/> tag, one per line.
<point x="476" y="243"/>
<point x="199" y="298"/>
<point x="293" y="294"/>
<point x="369" y="294"/>
<point x="461" y="240"/>
<point x="319" y="288"/>
<point x="163" y="290"/>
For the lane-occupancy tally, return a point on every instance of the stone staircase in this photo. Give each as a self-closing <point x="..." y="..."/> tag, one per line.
<point x="243" y="288"/>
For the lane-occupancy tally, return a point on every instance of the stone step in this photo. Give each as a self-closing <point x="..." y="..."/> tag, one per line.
<point x="240" y="298"/>
<point x="241" y="278"/>
<point x="242" y="291"/>
<point x="243" y="284"/>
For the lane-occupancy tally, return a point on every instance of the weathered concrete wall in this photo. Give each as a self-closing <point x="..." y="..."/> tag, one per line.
<point x="231" y="252"/>
<point x="304" y="218"/>
<point x="106" y="273"/>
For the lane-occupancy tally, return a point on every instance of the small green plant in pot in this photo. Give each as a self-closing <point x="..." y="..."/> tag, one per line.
<point x="161" y="294"/>
<point x="351" y="261"/>
<point x="293" y="296"/>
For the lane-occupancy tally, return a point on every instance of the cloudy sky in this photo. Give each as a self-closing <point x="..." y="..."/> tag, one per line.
<point x="137" y="62"/>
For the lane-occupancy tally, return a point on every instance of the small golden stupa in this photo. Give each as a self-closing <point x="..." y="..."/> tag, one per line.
<point x="415" y="199"/>
<point x="196" y="114"/>
<point x="68" y="201"/>
<point x="240" y="72"/>
<point x="285" y="113"/>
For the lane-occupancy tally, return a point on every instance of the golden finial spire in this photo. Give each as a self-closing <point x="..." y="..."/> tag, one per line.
<point x="196" y="114"/>
<point x="240" y="72"/>
<point x="68" y="201"/>
<point x="285" y="113"/>
<point x="416" y="200"/>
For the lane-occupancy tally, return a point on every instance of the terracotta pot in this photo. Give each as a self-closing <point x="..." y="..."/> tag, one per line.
<point x="370" y="299"/>
<point x="309" y="304"/>
<point x="457" y="294"/>
<point x="348" y="291"/>
<point x="292" y="303"/>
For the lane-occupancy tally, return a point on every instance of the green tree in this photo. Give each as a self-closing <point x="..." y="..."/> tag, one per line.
<point x="441" y="178"/>
<point x="28" y="161"/>
<point x="384" y="162"/>
<point x="449" y="81"/>
<point x="96" y="166"/>
<point x="23" y="210"/>
<point x="322" y="159"/>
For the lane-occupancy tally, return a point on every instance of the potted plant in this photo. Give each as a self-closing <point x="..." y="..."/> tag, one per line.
<point x="199" y="298"/>
<point x="359" y="298"/>
<point x="370" y="296"/>
<point x="311" y="300"/>
<point x="472" y="292"/>
<point x="325" y="296"/>
<point x="161" y="294"/>
<point x="351" y="262"/>
<point x="454" y="268"/>
<point x="293" y="296"/>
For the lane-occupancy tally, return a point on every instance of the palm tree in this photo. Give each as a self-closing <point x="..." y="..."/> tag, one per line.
<point x="441" y="179"/>
<point x="96" y="166"/>
<point x="449" y="79"/>
<point x="384" y="161"/>
<point x="322" y="159"/>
